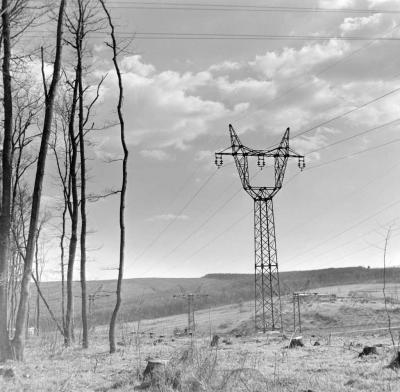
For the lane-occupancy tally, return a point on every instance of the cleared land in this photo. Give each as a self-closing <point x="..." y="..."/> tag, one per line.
<point x="243" y="361"/>
<point x="151" y="298"/>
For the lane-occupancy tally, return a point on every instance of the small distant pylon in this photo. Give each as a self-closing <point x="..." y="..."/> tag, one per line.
<point x="268" y="310"/>
<point x="190" y="309"/>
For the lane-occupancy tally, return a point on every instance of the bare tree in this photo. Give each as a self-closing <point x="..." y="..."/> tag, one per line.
<point x="82" y="20"/>
<point x="114" y="47"/>
<point x="18" y="341"/>
<point x="39" y="264"/>
<point x="74" y="215"/>
<point x="62" y="164"/>
<point x="5" y="214"/>
<point x="67" y="172"/>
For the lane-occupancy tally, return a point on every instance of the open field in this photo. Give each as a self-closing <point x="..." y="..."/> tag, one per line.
<point x="243" y="360"/>
<point x="257" y="363"/>
<point x="150" y="298"/>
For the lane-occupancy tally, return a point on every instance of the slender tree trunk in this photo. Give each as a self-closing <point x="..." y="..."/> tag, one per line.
<point x="62" y="256"/>
<point x="85" y="336"/>
<point x="19" y="338"/>
<point x="5" y="214"/>
<point x="111" y="334"/>
<point x="69" y="322"/>
<point x="66" y="185"/>
<point x="37" y="279"/>
<point x="53" y="317"/>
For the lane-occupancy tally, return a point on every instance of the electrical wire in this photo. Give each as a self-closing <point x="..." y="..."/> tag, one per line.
<point x="235" y="36"/>
<point x="353" y="154"/>
<point x="376" y="99"/>
<point x="180" y="212"/>
<point x="163" y="35"/>
<point x="231" y="226"/>
<point x="354" y="136"/>
<point x="358" y="189"/>
<point x="199" y="227"/>
<point x="322" y="71"/>
<point x="242" y="7"/>
<point x="360" y="222"/>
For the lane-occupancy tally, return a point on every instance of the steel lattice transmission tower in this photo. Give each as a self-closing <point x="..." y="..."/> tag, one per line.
<point x="268" y="314"/>
<point x="190" y="309"/>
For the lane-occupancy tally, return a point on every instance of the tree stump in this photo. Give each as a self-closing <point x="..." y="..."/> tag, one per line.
<point x="154" y="374"/>
<point x="368" y="351"/>
<point x="395" y="362"/>
<point x="214" y="341"/>
<point x="296" y="342"/>
<point x="154" y="368"/>
<point x="7" y="373"/>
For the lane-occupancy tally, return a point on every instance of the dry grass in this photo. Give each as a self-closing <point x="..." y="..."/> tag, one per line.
<point x="255" y="363"/>
<point x="249" y="364"/>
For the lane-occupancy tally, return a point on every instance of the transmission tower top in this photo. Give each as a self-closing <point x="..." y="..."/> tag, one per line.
<point x="240" y="153"/>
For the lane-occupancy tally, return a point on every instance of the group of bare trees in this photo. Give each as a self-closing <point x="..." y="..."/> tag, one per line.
<point x="63" y="120"/>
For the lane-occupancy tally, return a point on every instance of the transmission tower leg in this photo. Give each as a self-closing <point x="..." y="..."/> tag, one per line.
<point x="268" y="315"/>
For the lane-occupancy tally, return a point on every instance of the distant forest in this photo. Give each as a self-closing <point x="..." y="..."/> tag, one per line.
<point x="305" y="280"/>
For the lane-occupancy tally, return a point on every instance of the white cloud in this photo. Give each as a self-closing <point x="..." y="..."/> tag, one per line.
<point x="336" y="3"/>
<point x="291" y="62"/>
<point x="203" y="155"/>
<point x="159" y="155"/>
<point x="225" y="66"/>
<point x="167" y="217"/>
<point x="293" y="86"/>
<point x="372" y="26"/>
<point x="388" y="4"/>
<point x="134" y="64"/>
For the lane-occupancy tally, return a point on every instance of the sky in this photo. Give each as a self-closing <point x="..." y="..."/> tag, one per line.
<point x="185" y="217"/>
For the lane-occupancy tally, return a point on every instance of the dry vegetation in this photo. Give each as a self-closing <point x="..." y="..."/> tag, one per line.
<point x="243" y="361"/>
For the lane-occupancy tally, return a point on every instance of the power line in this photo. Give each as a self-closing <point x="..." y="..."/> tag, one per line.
<point x="355" y="135"/>
<point x="323" y="70"/>
<point x="351" y="241"/>
<point x="347" y="112"/>
<point x="346" y="230"/>
<point x="287" y="182"/>
<point x="195" y="231"/>
<point x="231" y="226"/>
<point x="233" y="36"/>
<point x="208" y="179"/>
<point x="198" y="228"/>
<point x="149" y="35"/>
<point x="358" y="189"/>
<point x="242" y="7"/>
<point x="354" y="154"/>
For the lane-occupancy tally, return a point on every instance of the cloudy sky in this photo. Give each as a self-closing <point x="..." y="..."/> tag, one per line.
<point x="185" y="218"/>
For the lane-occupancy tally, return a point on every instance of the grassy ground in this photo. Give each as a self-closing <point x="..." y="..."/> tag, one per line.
<point x="243" y="361"/>
<point x="247" y="364"/>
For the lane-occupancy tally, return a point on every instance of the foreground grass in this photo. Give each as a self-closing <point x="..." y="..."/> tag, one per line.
<point x="243" y="361"/>
<point x="253" y="363"/>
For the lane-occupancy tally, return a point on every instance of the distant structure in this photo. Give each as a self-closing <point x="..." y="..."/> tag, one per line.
<point x="268" y="314"/>
<point x="190" y="309"/>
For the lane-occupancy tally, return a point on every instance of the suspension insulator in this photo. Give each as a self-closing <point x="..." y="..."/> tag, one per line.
<point x="301" y="163"/>
<point x="218" y="160"/>
<point x="260" y="161"/>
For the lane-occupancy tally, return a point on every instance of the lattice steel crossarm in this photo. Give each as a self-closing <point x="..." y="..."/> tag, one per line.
<point x="267" y="291"/>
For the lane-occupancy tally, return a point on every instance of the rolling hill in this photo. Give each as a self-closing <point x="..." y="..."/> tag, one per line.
<point x="148" y="298"/>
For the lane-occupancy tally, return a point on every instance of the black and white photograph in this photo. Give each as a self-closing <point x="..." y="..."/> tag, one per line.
<point x="200" y="195"/>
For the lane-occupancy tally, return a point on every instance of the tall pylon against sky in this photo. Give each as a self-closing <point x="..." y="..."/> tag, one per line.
<point x="268" y="315"/>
